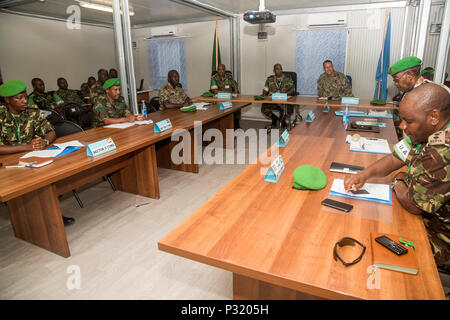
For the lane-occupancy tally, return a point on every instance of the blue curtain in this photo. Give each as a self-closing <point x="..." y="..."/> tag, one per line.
<point x="313" y="48"/>
<point x="163" y="56"/>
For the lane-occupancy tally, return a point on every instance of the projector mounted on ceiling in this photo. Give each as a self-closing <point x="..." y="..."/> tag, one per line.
<point x="260" y="16"/>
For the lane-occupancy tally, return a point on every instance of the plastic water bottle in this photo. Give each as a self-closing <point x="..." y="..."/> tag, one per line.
<point x="346" y="117"/>
<point x="144" y="109"/>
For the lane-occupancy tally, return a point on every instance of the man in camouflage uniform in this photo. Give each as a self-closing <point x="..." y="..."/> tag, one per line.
<point x="44" y="100"/>
<point x="277" y="83"/>
<point x="97" y="89"/>
<point x="333" y="84"/>
<point x="223" y="81"/>
<point x="111" y="108"/>
<point x="171" y="95"/>
<point x="67" y="95"/>
<point x="425" y="152"/>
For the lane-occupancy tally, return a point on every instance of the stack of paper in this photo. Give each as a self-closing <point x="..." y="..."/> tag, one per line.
<point x="49" y="153"/>
<point x="143" y="122"/>
<point x="375" y="192"/>
<point x="200" y="105"/>
<point x="371" y="145"/>
<point x="122" y="125"/>
<point x="73" y="143"/>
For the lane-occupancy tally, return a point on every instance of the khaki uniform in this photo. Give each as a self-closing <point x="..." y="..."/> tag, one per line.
<point x="336" y="86"/>
<point x="21" y="129"/>
<point x="103" y="109"/>
<point x="173" y="95"/>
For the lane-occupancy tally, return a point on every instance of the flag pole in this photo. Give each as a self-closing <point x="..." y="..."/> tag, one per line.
<point x="386" y="16"/>
<point x="217" y="47"/>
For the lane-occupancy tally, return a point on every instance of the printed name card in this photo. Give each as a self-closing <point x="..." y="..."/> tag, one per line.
<point x="284" y="139"/>
<point x="100" y="147"/>
<point x="276" y="169"/>
<point x="326" y="108"/>
<point x="310" y="117"/>
<point x="350" y="101"/>
<point x="226" y="105"/>
<point x="279" y="96"/>
<point x="163" y="125"/>
<point x="224" y="95"/>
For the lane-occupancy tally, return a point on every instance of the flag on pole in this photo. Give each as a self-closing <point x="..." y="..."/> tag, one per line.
<point x="383" y="62"/>
<point x="216" y="50"/>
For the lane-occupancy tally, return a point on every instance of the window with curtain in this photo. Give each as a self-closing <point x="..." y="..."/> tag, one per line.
<point x="165" y="55"/>
<point x="313" y="48"/>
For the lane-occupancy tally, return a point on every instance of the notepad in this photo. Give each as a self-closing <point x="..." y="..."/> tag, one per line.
<point x="142" y="122"/>
<point x="371" y="145"/>
<point x="48" y="153"/>
<point x="377" y="192"/>
<point x="73" y="143"/>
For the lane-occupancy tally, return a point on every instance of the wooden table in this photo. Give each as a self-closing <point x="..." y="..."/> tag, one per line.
<point x="278" y="241"/>
<point x="295" y="100"/>
<point x="31" y="194"/>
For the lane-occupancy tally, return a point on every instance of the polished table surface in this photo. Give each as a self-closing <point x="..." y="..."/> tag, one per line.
<point x="295" y="100"/>
<point x="283" y="238"/>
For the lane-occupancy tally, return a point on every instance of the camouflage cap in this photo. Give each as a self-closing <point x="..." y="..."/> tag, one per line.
<point x="111" y="82"/>
<point x="309" y="177"/>
<point x="12" y="87"/>
<point x="403" y="64"/>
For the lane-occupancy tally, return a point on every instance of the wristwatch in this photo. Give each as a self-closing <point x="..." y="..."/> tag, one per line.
<point x="396" y="180"/>
<point x="46" y="142"/>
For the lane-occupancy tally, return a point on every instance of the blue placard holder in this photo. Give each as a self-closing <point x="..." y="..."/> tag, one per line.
<point x="279" y="96"/>
<point x="100" y="147"/>
<point x="350" y="101"/>
<point x="273" y="174"/>
<point x="310" y="117"/>
<point x="326" y="108"/>
<point x="226" y="105"/>
<point x="284" y="139"/>
<point x="163" y="125"/>
<point x="224" y="95"/>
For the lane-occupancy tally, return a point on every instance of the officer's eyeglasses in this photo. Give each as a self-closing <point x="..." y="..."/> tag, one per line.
<point x="397" y="79"/>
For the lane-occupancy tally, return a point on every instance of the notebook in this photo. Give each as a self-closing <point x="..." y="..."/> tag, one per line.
<point x="386" y="259"/>
<point x="371" y="145"/>
<point x="375" y="192"/>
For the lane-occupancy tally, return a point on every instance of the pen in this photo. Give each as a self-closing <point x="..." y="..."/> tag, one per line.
<point x="19" y="166"/>
<point x="373" y="139"/>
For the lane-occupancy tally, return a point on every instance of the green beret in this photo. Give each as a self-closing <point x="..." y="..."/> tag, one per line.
<point x="259" y="98"/>
<point x="188" y="109"/>
<point x="430" y="71"/>
<point x="309" y="177"/>
<point x="207" y="94"/>
<point x="12" y="87"/>
<point x="403" y="64"/>
<point x="111" y="82"/>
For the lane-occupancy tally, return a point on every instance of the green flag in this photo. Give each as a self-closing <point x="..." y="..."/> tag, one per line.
<point x="216" y="51"/>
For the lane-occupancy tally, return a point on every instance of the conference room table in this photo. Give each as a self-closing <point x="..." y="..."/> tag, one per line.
<point x="278" y="241"/>
<point x="32" y="194"/>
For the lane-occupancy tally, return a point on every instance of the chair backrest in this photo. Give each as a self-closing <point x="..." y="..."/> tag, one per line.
<point x="65" y="128"/>
<point x="154" y="105"/>
<point x="293" y="76"/>
<point x="349" y="79"/>
<point x="141" y="85"/>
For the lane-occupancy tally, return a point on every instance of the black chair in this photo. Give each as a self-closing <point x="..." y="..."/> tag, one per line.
<point x="78" y="113"/>
<point x="141" y="85"/>
<point x="154" y="105"/>
<point x="53" y="117"/>
<point x="293" y="76"/>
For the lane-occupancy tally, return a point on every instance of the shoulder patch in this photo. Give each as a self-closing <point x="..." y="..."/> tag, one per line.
<point x="437" y="138"/>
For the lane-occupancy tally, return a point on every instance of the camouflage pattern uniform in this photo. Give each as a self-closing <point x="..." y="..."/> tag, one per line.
<point x="336" y="86"/>
<point x="69" y="96"/>
<point x="168" y="93"/>
<point x="104" y="109"/>
<point x="285" y="85"/>
<point x="17" y="130"/>
<point x="226" y="84"/>
<point x="429" y="188"/>
<point x="46" y="101"/>
<point x="95" y="92"/>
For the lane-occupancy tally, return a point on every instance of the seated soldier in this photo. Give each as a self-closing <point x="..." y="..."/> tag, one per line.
<point x="22" y="126"/>
<point x="96" y="89"/>
<point x="333" y="84"/>
<point x="110" y="107"/>
<point x="67" y="95"/>
<point x="171" y="95"/>
<point x="113" y="73"/>
<point x="223" y="81"/>
<point x="425" y="188"/>
<point x="45" y="101"/>
<point x="277" y="83"/>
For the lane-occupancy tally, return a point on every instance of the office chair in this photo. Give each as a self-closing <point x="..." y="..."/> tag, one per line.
<point x="154" y="104"/>
<point x="54" y="117"/>
<point x="78" y="113"/>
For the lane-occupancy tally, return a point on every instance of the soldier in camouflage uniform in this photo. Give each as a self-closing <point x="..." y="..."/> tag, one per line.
<point x="67" y="95"/>
<point x="44" y="100"/>
<point x="111" y="108"/>
<point x="425" y="151"/>
<point x="223" y="81"/>
<point x="277" y="83"/>
<point x="333" y="84"/>
<point x="97" y="89"/>
<point x="171" y="95"/>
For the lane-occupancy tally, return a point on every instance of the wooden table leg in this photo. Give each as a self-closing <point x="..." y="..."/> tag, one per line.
<point x="164" y="154"/>
<point x="36" y="218"/>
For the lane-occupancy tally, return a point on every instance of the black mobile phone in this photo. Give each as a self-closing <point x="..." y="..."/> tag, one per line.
<point x="360" y="191"/>
<point x="391" y="245"/>
<point x="337" y="205"/>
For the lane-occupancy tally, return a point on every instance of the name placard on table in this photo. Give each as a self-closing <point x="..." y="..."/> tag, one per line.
<point x="310" y="117"/>
<point x="226" y="105"/>
<point x="163" y="125"/>
<point x="224" y="95"/>
<point x="350" y="101"/>
<point x="326" y="108"/>
<point x="284" y="139"/>
<point x="100" y="147"/>
<point x="276" y="169"/>
<point x="279" y="96"/>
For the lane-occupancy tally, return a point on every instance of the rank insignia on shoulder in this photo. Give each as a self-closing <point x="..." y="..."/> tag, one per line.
<point x="437" y="138"/>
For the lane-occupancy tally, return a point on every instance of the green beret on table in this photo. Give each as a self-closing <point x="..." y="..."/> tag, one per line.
<point x="309" y="177"/>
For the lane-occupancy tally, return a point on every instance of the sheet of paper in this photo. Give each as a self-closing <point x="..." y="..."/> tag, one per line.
<point x="200" y="105"/>
<point x="42" y="153"/>
<point x="143" y="122"/>
<point x="376" y="191"/>
<point x="377" y="113"/>
<point x="120" y="125"/>
<point x="73" y="143"/>
<point x="372" y="145"/>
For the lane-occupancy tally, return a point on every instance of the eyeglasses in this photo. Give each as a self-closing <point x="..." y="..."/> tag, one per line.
<point x="397" y="79"/>
<point x="346" y="241"/>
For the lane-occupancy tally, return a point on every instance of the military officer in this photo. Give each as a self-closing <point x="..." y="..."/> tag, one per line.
<point x="42" y="99"/>
<point x="425" y="151"/>
<point x="277" y="83"/>
<point x="96" y="89"/>
<point x="223" y="81"/>
<point x="171" y="95"/>
<point x="113" y="73"/>
<point x="67" y="95"/>
<point x="110" y="107"/>
<point x="333" y="84"/>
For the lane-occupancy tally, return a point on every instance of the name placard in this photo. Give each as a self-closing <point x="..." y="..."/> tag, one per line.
<point x="276" y="169"/>
<point x="226" y="105"/>
<point x="100" y="147"/>
<point x="163" y="125"/>
<point x="224" y="95"/>
<point x="279" y="96"/>
<point x="350" y="101"/>
<point x="310" y="117"/>
<point x="326" y="108"/>
<point x="284" y="139"/>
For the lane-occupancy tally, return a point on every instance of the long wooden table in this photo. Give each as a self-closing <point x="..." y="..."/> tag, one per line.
<point x="31" y="194"/>
<point x="278" y="241"/>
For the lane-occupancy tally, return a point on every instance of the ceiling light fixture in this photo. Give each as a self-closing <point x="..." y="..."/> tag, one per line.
<point x="100" y="7"/>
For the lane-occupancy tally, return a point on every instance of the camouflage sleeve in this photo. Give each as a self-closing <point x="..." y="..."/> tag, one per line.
<point x="163" y="95"/>
<point x="125" y="110"/>
<point x="41" y="125"/>
<point x="290" y="85"/>
<point x="2" y="117"/>
<point x="320" y="88"/>
<point x="346" y="90"/>
<point x="266" y="85"/>
<point x="213" y="85"/>
<point x="100" y="112"/>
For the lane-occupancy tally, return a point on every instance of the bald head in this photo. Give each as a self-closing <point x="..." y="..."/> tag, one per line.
<point x="427" y="97"/>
